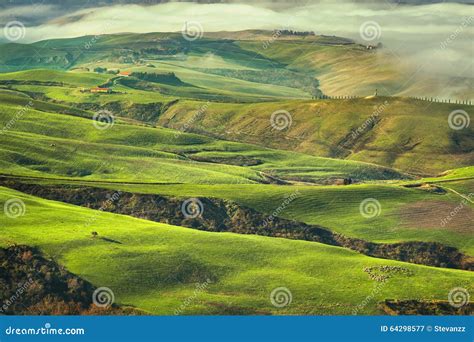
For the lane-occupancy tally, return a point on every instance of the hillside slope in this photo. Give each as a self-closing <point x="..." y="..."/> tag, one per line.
<point x="156" y="267"/>
<point x="338" y="65"/>
<point x="47" y="139"/>
<point x="351" y="69"/>
<point x="406" y="134"/>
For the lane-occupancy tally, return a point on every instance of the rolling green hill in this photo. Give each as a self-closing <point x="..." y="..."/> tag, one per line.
<point x="156" y="267"/>
<point x="44" y="142"/>
<point x="340" y="66"/>
<point x="48" y="141"/>
<point x="400" y="214"/>
<point x="406" y="134"/>
<point x="345" y="68"/>
<point x="48" y="144"/>
<point x="236" y="120"/>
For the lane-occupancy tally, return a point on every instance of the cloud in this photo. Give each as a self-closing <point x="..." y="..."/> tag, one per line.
<point x="29" y="15"/>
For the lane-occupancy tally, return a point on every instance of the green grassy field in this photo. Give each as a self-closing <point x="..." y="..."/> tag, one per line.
<point x="342" y="66"/>
<point x="202" y="127"/>
<point x="44" y="142"/>
<point x="410" y="135"/>
<point x="404" y="214"/>
<point x="405" y="134"/>
<point x="156" y="267"/>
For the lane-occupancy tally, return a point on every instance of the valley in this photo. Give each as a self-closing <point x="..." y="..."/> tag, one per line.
<point x="160" y="167"/>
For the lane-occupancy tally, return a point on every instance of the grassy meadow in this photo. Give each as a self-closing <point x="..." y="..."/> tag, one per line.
<point x="200" y="125"/>
<point x="155" y="267"/>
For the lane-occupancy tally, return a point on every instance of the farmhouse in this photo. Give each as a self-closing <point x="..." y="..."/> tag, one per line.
<point x="125" y="73"/>
<point x="101" y="90"/>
